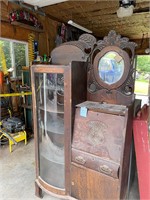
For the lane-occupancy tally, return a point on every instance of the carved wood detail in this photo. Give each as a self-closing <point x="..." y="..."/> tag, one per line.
<point x="122" y="91"/>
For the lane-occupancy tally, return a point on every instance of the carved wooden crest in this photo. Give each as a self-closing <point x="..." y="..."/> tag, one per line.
<point x="111" y="74"/>
<point x="74" y="50"/>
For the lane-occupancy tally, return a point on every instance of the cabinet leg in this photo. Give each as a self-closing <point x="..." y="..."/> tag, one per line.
<point x="38" y="191"/>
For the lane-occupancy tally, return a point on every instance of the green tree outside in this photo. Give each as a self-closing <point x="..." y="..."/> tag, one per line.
<point x="19" y="53"/>
<point x="143" y="64"/>
<point x="143" y="68"/>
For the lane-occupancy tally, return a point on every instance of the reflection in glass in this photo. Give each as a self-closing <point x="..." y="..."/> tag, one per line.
<point x="111" y="67"/>
<point x="50" y="106"/>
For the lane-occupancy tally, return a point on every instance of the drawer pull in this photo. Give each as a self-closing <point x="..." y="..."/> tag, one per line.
<point x="105" y="169"/>
<point x="80" y="160"/>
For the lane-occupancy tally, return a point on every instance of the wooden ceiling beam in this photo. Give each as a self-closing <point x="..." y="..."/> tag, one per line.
<point x="129" y="25"/>
<point x="131" y="33"/>
<point x="113" y="18"/>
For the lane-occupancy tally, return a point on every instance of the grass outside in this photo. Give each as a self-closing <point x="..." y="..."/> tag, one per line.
<point x="141" y="87"/>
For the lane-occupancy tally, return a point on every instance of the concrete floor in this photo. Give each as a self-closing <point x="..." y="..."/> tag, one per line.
<point x="17" y="174"/>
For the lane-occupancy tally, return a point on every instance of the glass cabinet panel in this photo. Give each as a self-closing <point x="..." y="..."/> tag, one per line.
<point x="49" y="89"/>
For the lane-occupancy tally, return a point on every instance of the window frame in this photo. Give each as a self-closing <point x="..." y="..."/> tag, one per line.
<point x="12" y="41"/>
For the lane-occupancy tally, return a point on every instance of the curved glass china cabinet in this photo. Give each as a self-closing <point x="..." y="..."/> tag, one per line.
<point x="53" y="90"/>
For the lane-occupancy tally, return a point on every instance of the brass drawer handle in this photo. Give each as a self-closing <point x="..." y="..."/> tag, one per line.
<point x="105" y="169"/>
<point x="80" y="160"/>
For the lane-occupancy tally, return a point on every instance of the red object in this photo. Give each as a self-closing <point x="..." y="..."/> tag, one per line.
<point x="142" y="149"/>
<point x="1" y="79"/>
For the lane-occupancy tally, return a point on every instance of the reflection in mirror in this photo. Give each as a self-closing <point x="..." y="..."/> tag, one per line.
<point x="111" y="67"/>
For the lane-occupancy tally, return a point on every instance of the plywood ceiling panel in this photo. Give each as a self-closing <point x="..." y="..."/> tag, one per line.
<point x="100" y="16"/>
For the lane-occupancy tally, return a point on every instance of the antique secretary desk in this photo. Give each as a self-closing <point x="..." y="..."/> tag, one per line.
<point x="82" y="108"/>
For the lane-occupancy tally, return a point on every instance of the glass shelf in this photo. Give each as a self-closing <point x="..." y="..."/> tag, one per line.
<point x="56" y="125"/>
<point x="52" y="173"/>
<point x="51" y="151"/>
<point x="55" y="109"/>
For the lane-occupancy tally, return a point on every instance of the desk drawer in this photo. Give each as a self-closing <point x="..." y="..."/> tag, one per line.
<point x="95" y="163"/>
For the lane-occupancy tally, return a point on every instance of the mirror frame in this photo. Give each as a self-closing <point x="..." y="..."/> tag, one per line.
<point x="124" y="76"/>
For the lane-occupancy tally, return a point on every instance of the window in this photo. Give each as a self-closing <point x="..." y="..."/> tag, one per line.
<point x="142" y="78"/>
<point x="14" y="54"/>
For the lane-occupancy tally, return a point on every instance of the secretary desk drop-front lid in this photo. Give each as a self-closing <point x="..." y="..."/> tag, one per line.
<point x="99" y="136"/>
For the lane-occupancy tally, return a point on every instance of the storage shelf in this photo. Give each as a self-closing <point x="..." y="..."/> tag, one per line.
<point x="50" y="108"/>
<point x="50" y="151"/>
<point x="51" y="159"/>
<point x="26" y="26"/>
<point x="52" y="172"/>
<point x="55" y="126"/>
<point x="53" y="88"/>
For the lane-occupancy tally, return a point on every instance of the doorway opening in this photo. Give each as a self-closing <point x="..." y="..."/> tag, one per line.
<point x="142" y="83"/>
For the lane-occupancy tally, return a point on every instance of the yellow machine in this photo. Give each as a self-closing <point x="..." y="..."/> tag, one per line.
<point x="13" y="138"/>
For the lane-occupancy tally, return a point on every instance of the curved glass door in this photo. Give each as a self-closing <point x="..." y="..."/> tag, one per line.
<point x="50" y="115"/>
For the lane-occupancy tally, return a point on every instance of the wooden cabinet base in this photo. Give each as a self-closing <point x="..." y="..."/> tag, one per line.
<point x="91" y="185"/>
<point x="38" y="191"/>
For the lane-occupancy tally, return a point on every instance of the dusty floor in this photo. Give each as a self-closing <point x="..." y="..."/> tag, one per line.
<point x="17" y="174"/>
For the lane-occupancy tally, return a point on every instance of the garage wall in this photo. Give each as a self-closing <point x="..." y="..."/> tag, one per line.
<point x="46" y="39"/>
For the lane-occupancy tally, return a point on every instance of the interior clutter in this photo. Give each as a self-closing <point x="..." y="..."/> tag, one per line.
<point x="24" y="17"/>
<point x="67" y="33"/>
<point x="75" y="97"/>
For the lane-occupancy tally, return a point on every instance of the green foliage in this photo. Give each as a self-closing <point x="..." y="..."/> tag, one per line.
<point x="6" y="49"/>
<point x="17" y="50"/>
<point x="143" y="63"/>
<point x="20" y="59"/>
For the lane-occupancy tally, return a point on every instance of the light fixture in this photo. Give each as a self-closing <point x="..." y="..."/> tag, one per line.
<point x="79" y="26"/>
<point x="126" y="8"/>
<point x="40" y="3"/>
<point x="147" y="51"/>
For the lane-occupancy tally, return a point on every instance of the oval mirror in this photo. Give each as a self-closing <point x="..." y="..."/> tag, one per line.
<point x="111" y="67"/>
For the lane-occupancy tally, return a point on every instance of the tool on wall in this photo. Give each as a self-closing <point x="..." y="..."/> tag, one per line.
<point x="31" y="37"/>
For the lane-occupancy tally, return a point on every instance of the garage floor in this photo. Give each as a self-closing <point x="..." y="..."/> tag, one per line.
<point x="17" y="174"/>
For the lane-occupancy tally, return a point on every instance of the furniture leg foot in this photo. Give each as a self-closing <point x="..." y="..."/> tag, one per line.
<point x="38" y="191"/>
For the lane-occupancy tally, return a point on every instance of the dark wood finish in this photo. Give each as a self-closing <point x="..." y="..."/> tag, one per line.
<point x="26" y="26"/>
<point x="91" y="185"/>
<point x="101" y="148"/>
<point x="38" y="191"/>
<point x="96" y="163"/>
<point x="74" y="50"/>
<point x="100" y="134"/>
<point x="104" y="108"/>
<point x="97" y="146"/>
<point x="72" y="96"/>
<point x="126" y="153"/>
<point x="121" y="91"/>
<point x="44" y="186"/>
